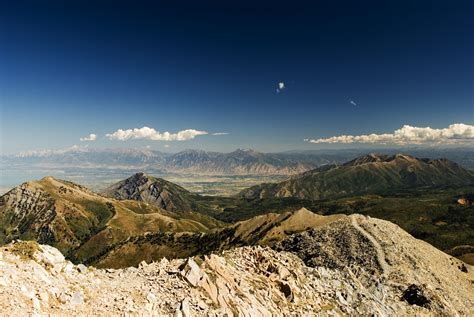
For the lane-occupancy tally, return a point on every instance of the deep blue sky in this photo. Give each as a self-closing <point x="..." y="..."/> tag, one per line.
<point x="70" y="68"/>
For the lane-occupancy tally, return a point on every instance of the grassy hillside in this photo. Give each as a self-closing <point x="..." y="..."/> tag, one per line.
<point x="370" y="174"/>
<point x="81" y="223"/>
<point x="266" y="230"/>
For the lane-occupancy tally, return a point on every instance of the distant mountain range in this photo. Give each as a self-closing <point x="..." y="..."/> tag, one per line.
<point x="369" y="174"/>
<point x="239" y="162"/>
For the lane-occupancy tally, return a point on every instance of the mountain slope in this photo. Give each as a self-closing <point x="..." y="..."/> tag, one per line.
<point x="351" y="266"/>
<point x="54" y="212"/>
<point x="383" y="257"/>
<point x="264" y="230"/>
<point x="431" y="215"/>
<point x="81" y="223"/>
<point x="152" y="190"/>
<point x="373" y="173"/>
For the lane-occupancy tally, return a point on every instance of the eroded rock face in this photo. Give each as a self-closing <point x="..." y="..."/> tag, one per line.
<point x="31" y="209"/>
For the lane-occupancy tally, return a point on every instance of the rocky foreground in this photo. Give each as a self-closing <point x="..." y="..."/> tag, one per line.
<point x="352" y="266"/>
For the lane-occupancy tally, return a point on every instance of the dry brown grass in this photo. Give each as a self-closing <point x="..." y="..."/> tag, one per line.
<point x="25" y="249"/>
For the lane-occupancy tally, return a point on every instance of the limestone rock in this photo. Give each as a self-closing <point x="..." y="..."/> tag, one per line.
<point x="191" y="272"/>
<point x="82" y="268"/>
<point x="77" y="298"/>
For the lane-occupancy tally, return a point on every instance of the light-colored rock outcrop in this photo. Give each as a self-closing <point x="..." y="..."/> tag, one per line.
<point x="250" y="281"/>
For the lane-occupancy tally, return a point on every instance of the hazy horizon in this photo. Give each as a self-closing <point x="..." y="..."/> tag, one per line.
<point x="335" y="148"/>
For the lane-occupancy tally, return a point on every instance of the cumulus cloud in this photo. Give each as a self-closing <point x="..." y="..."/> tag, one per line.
<point x="90" y="137"/>
<point x="457" y="133"/>
<point x="220" y="133"/>
<point x="151" y="134"/>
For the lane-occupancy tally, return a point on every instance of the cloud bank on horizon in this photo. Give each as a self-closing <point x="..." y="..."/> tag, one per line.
<point x="457" y="133"/>
<point x="154" y="135"/>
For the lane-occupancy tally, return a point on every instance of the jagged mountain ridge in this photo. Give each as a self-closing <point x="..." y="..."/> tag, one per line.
<point x="373" y="173"/>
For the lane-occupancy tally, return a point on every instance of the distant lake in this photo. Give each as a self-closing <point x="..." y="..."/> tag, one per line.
<point x="91" y="178"/>
<point x="11" y="178"/>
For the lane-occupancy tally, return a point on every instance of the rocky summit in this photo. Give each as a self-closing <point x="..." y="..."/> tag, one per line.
<point x="354" y="265"/>
<point x="156" y="191"/>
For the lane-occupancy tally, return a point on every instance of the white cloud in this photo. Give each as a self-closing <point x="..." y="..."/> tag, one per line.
<point x="352" y="102"/>
<point x="457" y="133"/>
<point x="151" y="134"/>
<point x="220" y="133"/>
<point x="90" y="137"/>
<point x="166" y="145"/>
<point x="281" y="87"/>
